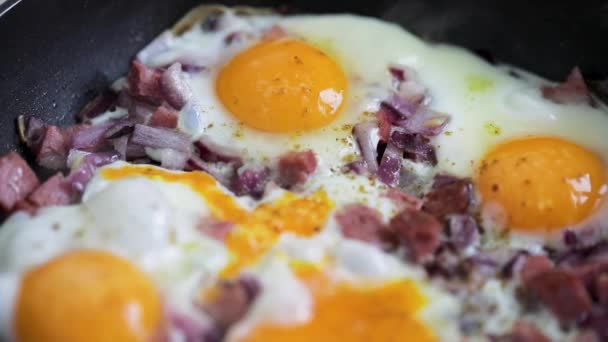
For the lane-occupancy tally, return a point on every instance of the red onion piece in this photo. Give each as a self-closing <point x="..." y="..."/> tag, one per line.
<point x="401" y="109"/>
<point x="367" y="138"/>
<point x="120" y="128"/>
<point x="90" y="138"/>
<point x="250" y="181"/>
<point x="160" y="138"/>
<point x="81" y="176"/>
<point x="211" y="151"/>
<point x="120" y="146"/>
<point x="425" y="121"/>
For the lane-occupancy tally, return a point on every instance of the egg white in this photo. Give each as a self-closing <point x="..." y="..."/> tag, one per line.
<point x="205" y="115"/>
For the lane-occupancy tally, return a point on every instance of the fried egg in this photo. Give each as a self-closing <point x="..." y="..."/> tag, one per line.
<point x="140" y="225"/>
<point x="493" y="110"/>
<point x="267" y="97"/>
<point x="134" y="249"/>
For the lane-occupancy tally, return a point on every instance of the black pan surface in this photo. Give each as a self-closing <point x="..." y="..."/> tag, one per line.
<point x="56" y="54"/>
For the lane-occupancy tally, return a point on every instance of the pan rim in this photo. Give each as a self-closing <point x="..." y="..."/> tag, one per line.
<point x="7" y="5"/>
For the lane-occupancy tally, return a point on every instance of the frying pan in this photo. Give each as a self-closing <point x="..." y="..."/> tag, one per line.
<point x="55" y="55"/>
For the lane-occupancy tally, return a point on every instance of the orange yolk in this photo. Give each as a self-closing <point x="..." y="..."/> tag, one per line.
<point x="542" y="183"/>
<point x="256" y="231"/>
<point x="282" y="86"/>
<point x="87" y="296"/>
<point x="344" y="312"/>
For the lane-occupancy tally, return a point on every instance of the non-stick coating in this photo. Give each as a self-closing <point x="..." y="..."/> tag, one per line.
<point x="56" y="54"/>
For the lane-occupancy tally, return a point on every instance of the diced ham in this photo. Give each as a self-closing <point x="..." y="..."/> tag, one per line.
<point x="17" y="180"/>
<point x="250" y="181"/>
<point x="572" y="91"/>
<point x="360" y="222"/>
<point x="231" y="300"/>
<point x="53" y="149"/>
<point x="163" y="117"/>
<point x="418" y="231"/>
<point x="448" y="198"/>
<point x="55" y="191"/>
<point x="523" y="331"/>
<point x="563" y="293"/>
<point x="533" y="266"/>
<point x="144" y="82"/>
<point x="295" y="168"/>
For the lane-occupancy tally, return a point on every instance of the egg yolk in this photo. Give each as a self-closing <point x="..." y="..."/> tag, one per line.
<point x="282" y="85"/>
<point x="87" y="296"/>
<point x="257" y="230"/>
<point x="542" y="183"/>
<point x="344" y="312"/>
